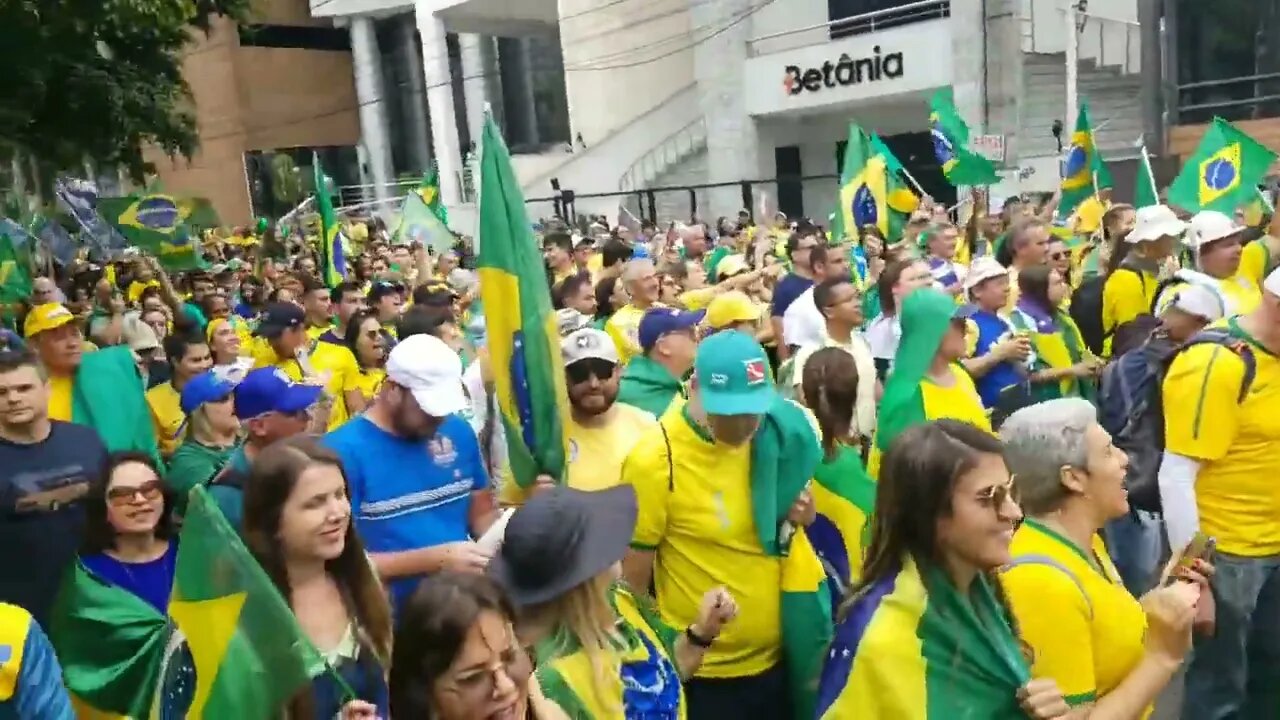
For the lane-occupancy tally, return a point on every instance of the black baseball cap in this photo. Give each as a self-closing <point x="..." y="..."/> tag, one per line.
<point x="279" y="317"/>
<point x="562" y="538"/>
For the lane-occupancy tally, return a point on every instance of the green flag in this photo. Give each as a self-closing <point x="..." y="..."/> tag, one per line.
<point x="157" y="224"/>
<point x="333" y="263"/>
<point x="960" y="165"/>
<point x="15" y="273"/>
<point x="248" y="652"/>
<point x="1083" y="172"/>
<point x="429" y="192"/>
<point x="1145" y="194"/>
<point x="110" y="642"/>
<point x="419" y="223"/>
<point x="871" y="191"/>
<point x="1224" y="172"/>
<point x="524" y="344"/>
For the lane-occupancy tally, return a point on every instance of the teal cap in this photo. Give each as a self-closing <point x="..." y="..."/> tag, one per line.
<point x="733" y="375"/>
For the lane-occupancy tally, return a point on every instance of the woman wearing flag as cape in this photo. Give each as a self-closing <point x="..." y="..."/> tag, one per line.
<point x="927" y="633"/>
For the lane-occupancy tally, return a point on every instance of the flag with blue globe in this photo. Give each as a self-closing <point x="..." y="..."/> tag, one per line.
<point x="1224" y="172"/>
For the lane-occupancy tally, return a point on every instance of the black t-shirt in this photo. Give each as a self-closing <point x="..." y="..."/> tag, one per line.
<point x="42" y="487"/>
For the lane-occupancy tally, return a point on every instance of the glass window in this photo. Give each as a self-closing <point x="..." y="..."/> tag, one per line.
<point x="1229" y="52"/>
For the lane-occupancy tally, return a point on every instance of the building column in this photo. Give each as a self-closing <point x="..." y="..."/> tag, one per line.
<point x="475" y="80"/>
<point x="439" y="84"/>
<point x="1004" y="85"/>
<point x="415" y="98"/>
<point x="733" y="142"/>
<point x="367" y="61"/>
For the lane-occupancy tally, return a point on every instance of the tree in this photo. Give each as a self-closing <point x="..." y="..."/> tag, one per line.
<point x="99" y="78"/>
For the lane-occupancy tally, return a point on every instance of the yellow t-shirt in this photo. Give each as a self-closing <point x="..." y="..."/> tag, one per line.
<point x="333" y="363"/>
<point x="1236" y="443"/>
<point x="1255" y="261"/>
<point x="165" y="403"/>
<point x="366" y="381"/>
<point x="1125" y="296"/>
<point x="960" y="401"/>
<point x="624" y="328"/>
<point x="315" y="331"/>
<point x="596" y="454"/>
<point x="704" y="536"/>
<point x="60" y="391"/>
<point x="1086" y="634"/>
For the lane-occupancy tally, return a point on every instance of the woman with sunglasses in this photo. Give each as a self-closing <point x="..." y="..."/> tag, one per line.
<point x="297" y="524"/>
<point x="926" y="631"/>
<point x="600" y="652"/>
<point x="212" y="432"/>
<point x="1110" y="653"/>
<point x="128" y="529"/>
<point x="1058" y="257"/>
<point x="368" y="343"/>
<point x="1063" y="365"/>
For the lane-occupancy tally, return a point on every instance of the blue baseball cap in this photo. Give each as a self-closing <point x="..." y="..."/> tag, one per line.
<point x="209" y="386"/>
<point x="660" y="321"/>
<point x="733" y="375"/>
<point x="268" y="390"/>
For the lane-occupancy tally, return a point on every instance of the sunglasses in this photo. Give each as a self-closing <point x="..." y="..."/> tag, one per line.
<point x="995" y="496"/>
<point x="1057" y="256"/>
<point x="120" y="496"/>
<point x="583" y="370"/>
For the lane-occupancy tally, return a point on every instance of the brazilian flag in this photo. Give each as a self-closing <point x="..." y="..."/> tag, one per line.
<point x="1083" y="172"/>
<point x="1224" y="172"/>
<point x="950" y="134"/>
<point x="157" y="224"/>
<point x="333" y="263"/>
<point x="524" y="344"/>
<point x="864" y="187"/>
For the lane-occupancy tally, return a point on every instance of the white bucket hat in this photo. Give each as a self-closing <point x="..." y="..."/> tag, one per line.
<point x="1210" y="225"/>
<point x="1154" y="222"/>
<point x="982" y="269"/>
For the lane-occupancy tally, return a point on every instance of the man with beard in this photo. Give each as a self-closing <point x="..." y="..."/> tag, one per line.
<point x="601" y="431"/>
<point x="415" y="477"/>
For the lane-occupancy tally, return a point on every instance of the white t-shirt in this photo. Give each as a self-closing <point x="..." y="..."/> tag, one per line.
<point x="802" y="323"/>
<point x="883" y="335"/>
<point x="864" y="410"/>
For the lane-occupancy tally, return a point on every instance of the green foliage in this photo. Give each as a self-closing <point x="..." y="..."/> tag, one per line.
<point x="100" y="78"/>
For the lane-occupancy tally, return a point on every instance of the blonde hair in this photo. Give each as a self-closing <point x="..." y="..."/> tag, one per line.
<point x="584" y="614"/>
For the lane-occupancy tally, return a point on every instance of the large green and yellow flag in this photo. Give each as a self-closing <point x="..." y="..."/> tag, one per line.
<point x="419" y="223"/>
<point x="960" y="165"/>
<point x="232" y="628"/>
<point x="864" y="188"/>
<point x="15" y="272"/>
<point x="1224" y="172"/>
<point x="1083" y="172"/>
<point x="524" y="345"/>
<point x="333" y="263"/>
<point x="157" y="224"/>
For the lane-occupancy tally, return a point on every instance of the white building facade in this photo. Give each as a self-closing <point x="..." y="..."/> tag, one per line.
<point x="610" y="98"/>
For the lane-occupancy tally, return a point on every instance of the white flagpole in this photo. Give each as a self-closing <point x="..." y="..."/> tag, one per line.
<point x="1146" y="165"/>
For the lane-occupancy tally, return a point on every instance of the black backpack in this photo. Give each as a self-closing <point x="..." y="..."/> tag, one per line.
<point x="1131" y="407"/>
<point x="1086" y="311"/>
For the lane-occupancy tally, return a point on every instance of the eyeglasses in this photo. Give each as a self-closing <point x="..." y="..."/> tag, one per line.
<point x="587" y="368"/>
<point x="120" y="496"/>
<point x="995" y="496"/>
<point x="1057" y="256"/>
<point x="480" y="683"/>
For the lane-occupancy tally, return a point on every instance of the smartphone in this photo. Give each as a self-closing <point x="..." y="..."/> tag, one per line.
<point x="1200" y="548"/>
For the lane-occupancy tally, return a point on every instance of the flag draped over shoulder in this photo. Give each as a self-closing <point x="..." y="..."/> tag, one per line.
<point x="248" y="654"/>
<point x="333" y="263"/>
<point x="960" y="165"/>
<point x="110" y="643"/>
<point x="524" y="345"/>
<point x="911" y="647"/>
<point x="1083" y="172"/>
<point x="418" y="223"/>
<point x="844" y="496"/>
<point x="157" y="224"/>
<point x="1223" y="173"/>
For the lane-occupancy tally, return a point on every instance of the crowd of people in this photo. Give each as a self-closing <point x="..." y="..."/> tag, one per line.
<point x="976" y="471"/>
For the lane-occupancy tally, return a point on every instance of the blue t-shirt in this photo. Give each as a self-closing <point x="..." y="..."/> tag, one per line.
<point x="790" y="287"/>
<point x="409" y="494"/>
<point x="42" y="486"/>
<point x="152" y="581"/>
<point x="227" y="488"/>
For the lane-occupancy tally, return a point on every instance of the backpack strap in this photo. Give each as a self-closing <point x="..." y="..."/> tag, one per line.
<point x="1046" y="561"/>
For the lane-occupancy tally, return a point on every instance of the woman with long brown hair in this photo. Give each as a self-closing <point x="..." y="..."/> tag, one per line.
<point x="297" y="523"/>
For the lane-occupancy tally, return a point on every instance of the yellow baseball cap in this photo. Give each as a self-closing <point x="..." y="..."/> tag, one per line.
<point x="48" y="316"/>
<point x="731" y="307"/>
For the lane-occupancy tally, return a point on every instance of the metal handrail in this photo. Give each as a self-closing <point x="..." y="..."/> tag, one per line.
<point x="1229" y="81"/>
<point x="668" y="149"/>
<point x="898" y="14"/>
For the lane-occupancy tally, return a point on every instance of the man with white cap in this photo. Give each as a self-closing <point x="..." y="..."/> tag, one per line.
<point x="1129" y="294"/>
<point x="995" y="350"/>
<point x="600" y="430"/>
<point x="1219" y="476"/>
<point x="415" y="477"/>
<point x="1216" y="242"/>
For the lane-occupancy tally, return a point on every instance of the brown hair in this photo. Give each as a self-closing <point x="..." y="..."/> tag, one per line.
<point x="829" y="386"/>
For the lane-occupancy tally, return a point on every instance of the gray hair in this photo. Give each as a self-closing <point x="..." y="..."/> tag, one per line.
<point x="1039" y="441"/>
<point x="636" y="268"/>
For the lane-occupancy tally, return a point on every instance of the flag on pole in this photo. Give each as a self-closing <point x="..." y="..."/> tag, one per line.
<point x="80" y="199"/>
<point x="1146" y="193"/>
<point x="960" y="165"/>
<point x="418" y="223"/>
<point x="333" y="263"/>
<point x="157" y="224"/>
<point x="247" y="654"/>
<point x="870" y="191"/>
<point x="1223" y="173"/>
<point x="524" y="345"/>
<point x="429" y="191"/>
<point x="1083" y="172"/>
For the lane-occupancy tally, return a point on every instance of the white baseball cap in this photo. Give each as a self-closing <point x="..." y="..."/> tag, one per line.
<point x="1154" y="222"/>
<point x="1198" y="300"/>
<point x="982" y="269"/>
<point x="427" y="367"/>
<point x="588" y="344"/>
<point x="1210" y="225"/>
